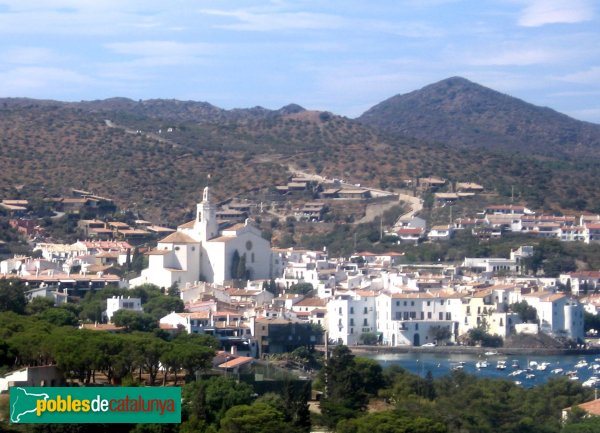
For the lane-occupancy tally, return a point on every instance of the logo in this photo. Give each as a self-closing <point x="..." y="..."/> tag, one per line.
<point x="34" y="405"/>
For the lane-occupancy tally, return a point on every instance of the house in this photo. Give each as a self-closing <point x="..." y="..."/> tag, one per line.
<point x="200" y="251"/>
<point x="441" y="233"/>
<point x="558" y="314"/>
<point x="509" y="209"/>
<point x="582" y="282"/>
<point x="349" y="315"/>
<point x="117" y="303"/>
<point x="413" y="319"/>
<point x="443" y="198"/>
<point x="354" y="193"/>
<point x="431" y="182"/>
<point x="468" y="187"/>
<point x="591" y="233"/>
<point x="592" y="408"/>
<point x="409" y="235"/>
<point x="46" y="375"/>
<point x="279" y="335"/>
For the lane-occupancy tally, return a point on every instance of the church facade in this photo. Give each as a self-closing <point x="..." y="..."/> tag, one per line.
<point x="200" y="251"/>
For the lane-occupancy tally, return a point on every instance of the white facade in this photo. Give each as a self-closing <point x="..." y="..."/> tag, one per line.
<point x="413" y="318"/>
<point x="117" y="303"/>
<point x="558" y="314"/>
<point x="349" y="316"/>
<point x="198" y="251"/>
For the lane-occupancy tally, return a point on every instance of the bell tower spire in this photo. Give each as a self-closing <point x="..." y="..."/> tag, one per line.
<point x="206" y="226"/>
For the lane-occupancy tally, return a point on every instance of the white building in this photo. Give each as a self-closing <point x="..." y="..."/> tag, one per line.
<point x="558" y="314"/>
<point x="349" y="315"/>
<point x="199" y="251"/>
<point x="414" y="319"/>
<point x="117" y="303"/>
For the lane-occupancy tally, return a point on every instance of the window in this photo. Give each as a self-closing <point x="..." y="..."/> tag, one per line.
<point x="252" y="257"/>
<point x="351" y="330"/>
<point x="365" y="310"/>
<point x="397" y="303"/>
<point x="428" y="303"/>
<point x="429" y="314"/>
<point x="412" y="303"/>
<point x="351" y="310"/>
<point x="351" y="322"/>
<point x="448" y="316"/>
<point x="365" y="322"/>
<point x="422" y="315"/>
<point x="340" y="310"/>
<point x="405" y="303"/>
<point x="176" y="248"/>
<point x="416" y="326"/>
<point x="441" y="316"/>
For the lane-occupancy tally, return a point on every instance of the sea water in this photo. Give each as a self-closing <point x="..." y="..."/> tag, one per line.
<point x="524" y="370"/>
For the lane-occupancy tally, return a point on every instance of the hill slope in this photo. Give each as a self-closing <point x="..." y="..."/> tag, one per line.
<point x="48" y="147"/>
<point x="461" y="113"/>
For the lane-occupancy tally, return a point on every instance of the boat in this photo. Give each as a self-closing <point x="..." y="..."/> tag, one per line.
<point x="581" y="364"/>
<point x="515" y="363"/>
<point x="557" y="371"/>
<point x="543" y="366"/>
<point x="490" y="353"/>
<point x="530" y="376"/>
<point x="501" y="365"/>
<point x="481" y="364"/>
<point x="516" y="372"/>
<point x="533" y="365"/>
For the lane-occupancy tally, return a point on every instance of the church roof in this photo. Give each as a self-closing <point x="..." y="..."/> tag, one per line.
<point x="187" y="225"/>
<point x="178" y="238"/>
<point x="222" y="239"/>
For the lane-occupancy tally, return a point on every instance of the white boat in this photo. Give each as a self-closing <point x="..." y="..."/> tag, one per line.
<point x="533" y="364"/>
<point x="516" y="372"/>
<point x="543" y="366"/>
<point x="515" y="363"/>
<point x="529" y="376"/>
<point x="582" y="363"/>
<point x="517" y="382"/>
<point x="557" y="371"/>
<point x="481" y="364"/>
<point x="501" y="365"/>
<point x="490" y="353"/>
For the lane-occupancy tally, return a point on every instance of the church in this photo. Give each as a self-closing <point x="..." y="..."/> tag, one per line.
<point x="200" y="251"/>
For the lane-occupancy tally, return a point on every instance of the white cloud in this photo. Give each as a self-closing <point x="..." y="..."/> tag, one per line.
<point x="590" y="76"/>
<point x="161" y="48"/>
<point x="276" y="21"/>
<point x="517" y="57"/>
<point x="41" y="82"/>
<point x="541" y="12"/>
<point x="29" y="55"/>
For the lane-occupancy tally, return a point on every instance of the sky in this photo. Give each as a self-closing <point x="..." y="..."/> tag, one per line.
<point x="342" y="56"/>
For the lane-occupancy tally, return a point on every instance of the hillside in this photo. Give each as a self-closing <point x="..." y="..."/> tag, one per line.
<point x="461" y="113"/>
<point x="48" y="147"/>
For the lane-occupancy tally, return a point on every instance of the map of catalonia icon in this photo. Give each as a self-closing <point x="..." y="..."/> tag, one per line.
<point x="23" y="403"/>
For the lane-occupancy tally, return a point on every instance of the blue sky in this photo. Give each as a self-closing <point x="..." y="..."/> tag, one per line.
<point x="342" y="56"/>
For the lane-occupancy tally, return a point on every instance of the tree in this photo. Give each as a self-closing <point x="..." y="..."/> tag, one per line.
<point x="258" y="418"/>
<point x="134" y="320"/>
<point x="39" y="304"/>
<point x="12" y="295"/>
<point x="368" y="338"/>
<point x="301" y="288"/>
<point x="526" y="312"/>
<point x="345" y="395"/>
<point x="391" y="422"/>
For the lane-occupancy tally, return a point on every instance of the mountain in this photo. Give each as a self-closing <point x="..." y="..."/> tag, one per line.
<point x="155" y="156"/>
<point x="461" y="113"/>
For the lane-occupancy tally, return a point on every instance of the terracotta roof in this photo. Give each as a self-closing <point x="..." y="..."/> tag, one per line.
<point x="158" y="252"/>
<point x="178" y="238"/>
<point x="222" y="239"/>
<point x="187" y="225"/>
<point x="591" y="407"/>
<point x="311" y="302"/>
<point x="417" y="295"/>
<point x="242" y="360"/>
